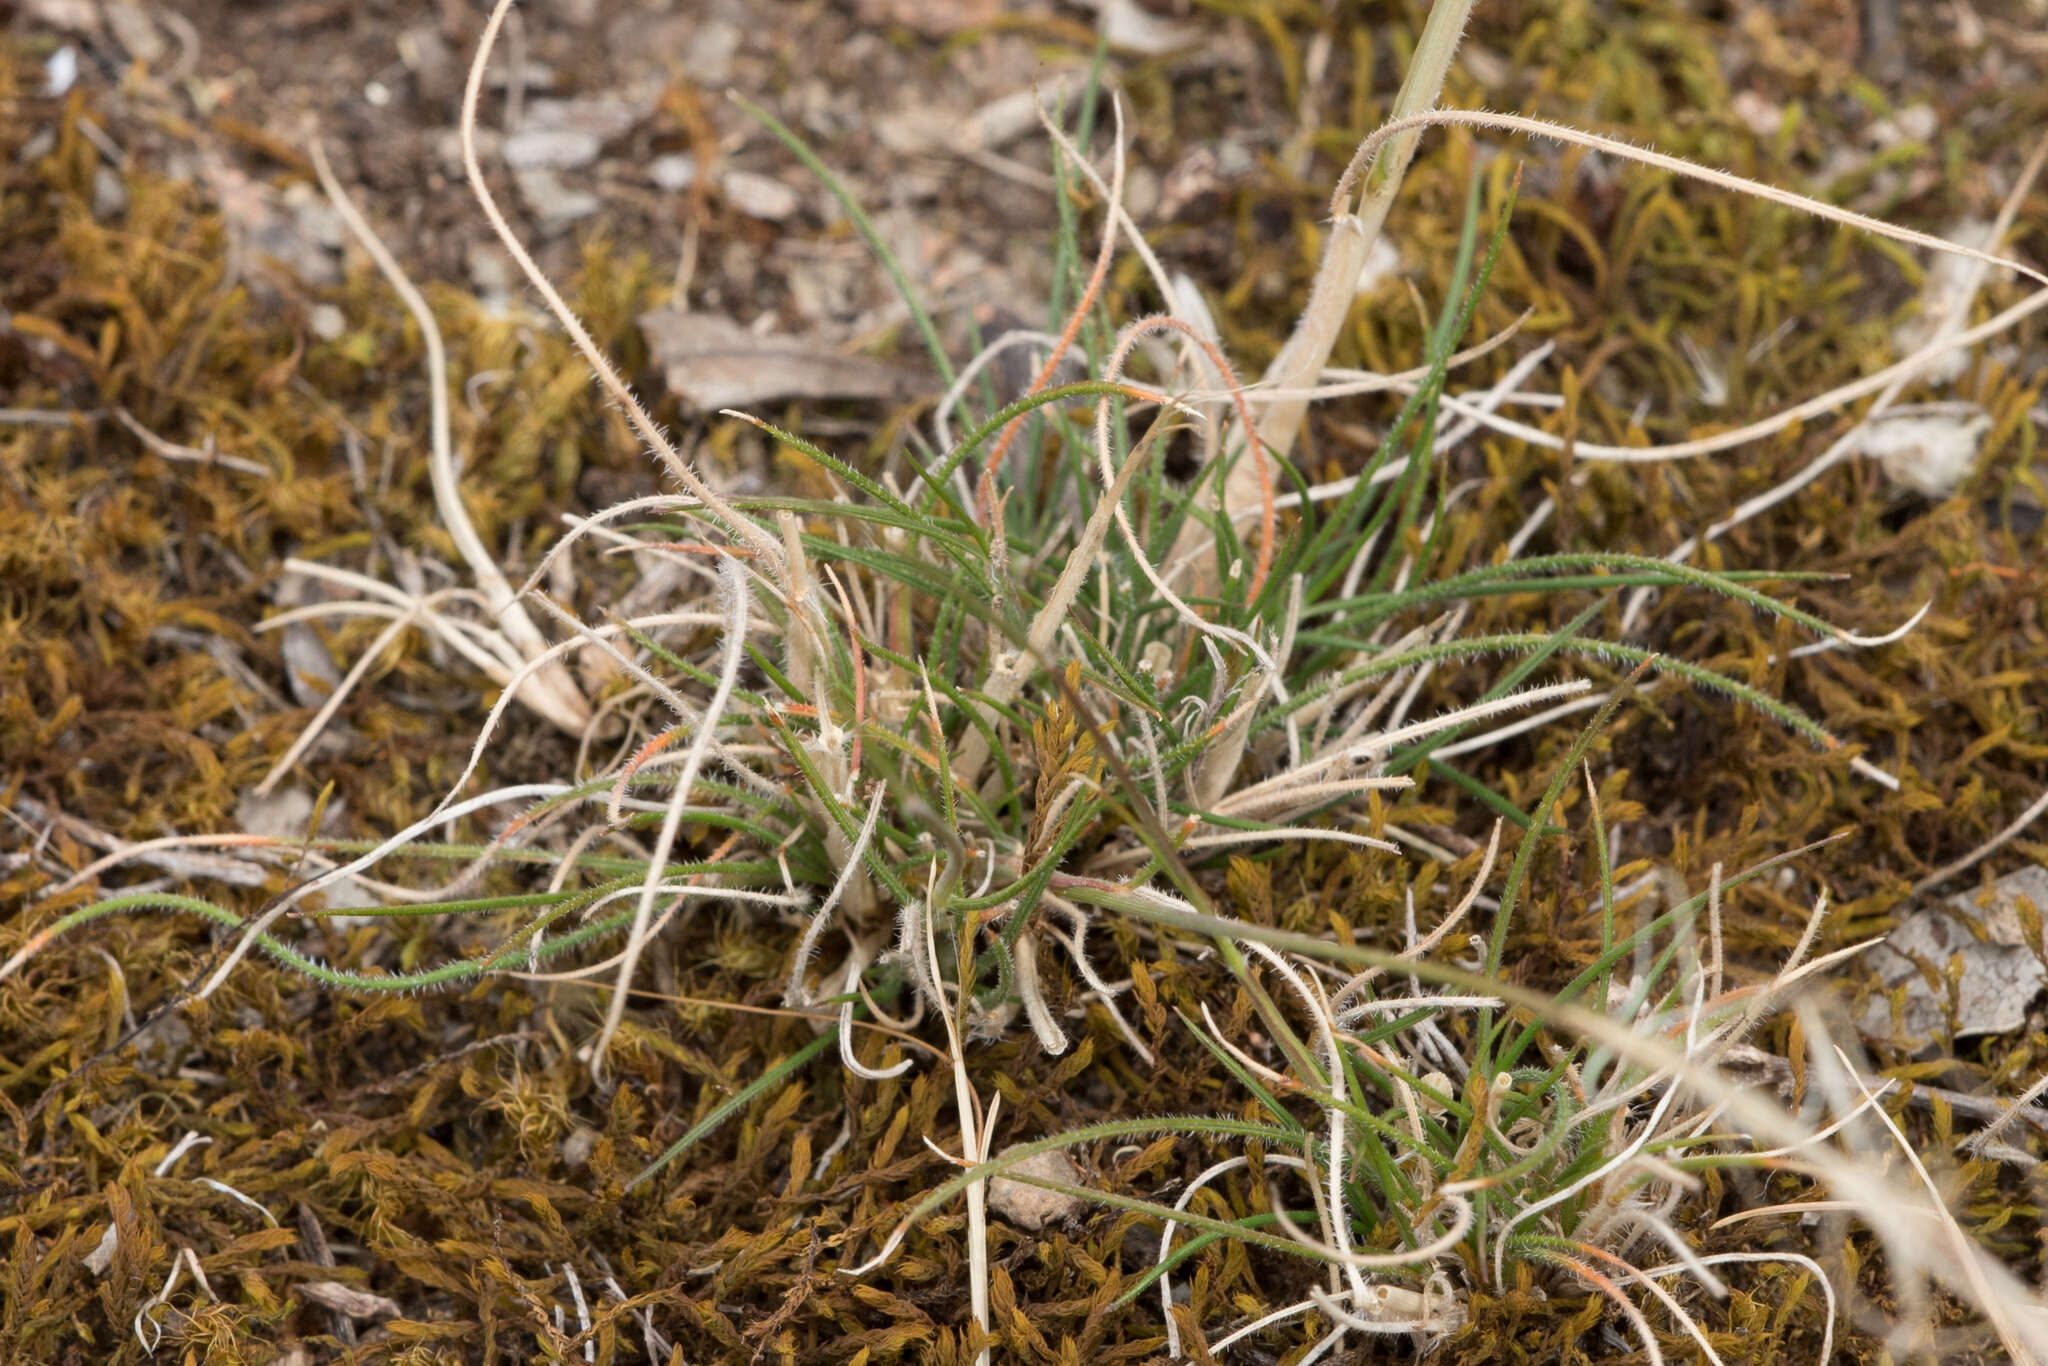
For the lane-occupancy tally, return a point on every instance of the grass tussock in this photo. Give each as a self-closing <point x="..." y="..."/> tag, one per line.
<point x="1365" y="1007"/>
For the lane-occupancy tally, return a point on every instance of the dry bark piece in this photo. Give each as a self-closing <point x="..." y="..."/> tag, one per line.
<point x="2000" y="973"/>
<point x="191" y="864"/>
<point x="712" y="362"/>
<point x="346" y="1299"/>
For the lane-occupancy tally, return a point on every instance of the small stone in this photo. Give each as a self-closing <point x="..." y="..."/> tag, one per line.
<point x="758" y="196"/>
<point x="1915" y="123"/>
<point x="674" y="171"/>
<point x="109" y="195"/>
<point x="1760" y="115"/>
<point x="60" y="72"/>
<point x="490" y="274"/>
<point x="708" y="58"/>
<point x="1007" y="118"/>
<point x="1033" y="1207"/>
<point x="602" y="116"/>
<point x="1919" y="122"/>
<point x="447" y="145"/>
<point x="557" y="149"/>
<point x="533" y="76"/>
<point x="432" y="61"/>
<point x="1234" y="158"/>
<point x="43" y="141"/>
<point x="280" y="815"/>
<point x="314" y="217"/>
<point x="1141" y="192"/>
<point x="327" y="322"/>
<point x="562" y="134"/>
<point x="556" y="205"/>
<point x="915" y="130"/>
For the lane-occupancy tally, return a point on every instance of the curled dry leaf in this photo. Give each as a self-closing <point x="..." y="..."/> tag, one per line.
<point x="2000" y="972"/>
<point x="712" y="362"/>
<point x="102" y="1256"/>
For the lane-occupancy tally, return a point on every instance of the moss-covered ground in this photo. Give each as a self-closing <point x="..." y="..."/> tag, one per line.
<point x="450" y="1153"/>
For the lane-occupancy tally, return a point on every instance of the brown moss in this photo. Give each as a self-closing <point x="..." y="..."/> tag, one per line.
<point x="421" y="1149"/>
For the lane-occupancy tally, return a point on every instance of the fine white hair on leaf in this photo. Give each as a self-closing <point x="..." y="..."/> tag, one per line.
<point x="847" y="1056"/>
<point x="1051" y="1037"/>
<point x="607" y="374"/>
<point x="909" y="950"/>
<point x="796" y="993"/>
<point x="279" y="908"/>
<point x="733" y="592"/>
<point x="1515" y="123"/>
<point x="1228" y="1164"/>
